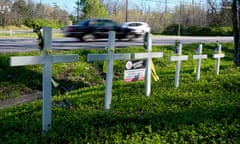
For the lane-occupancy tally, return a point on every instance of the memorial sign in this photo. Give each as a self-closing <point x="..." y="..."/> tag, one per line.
<point x="134" y="70"/>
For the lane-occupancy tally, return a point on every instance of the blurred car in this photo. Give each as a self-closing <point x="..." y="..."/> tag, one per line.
<point x="91" y="29"/>
<point x="139" y="27"/>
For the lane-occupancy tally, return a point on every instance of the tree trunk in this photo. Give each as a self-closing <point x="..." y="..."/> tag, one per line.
<point x="235" y="20"/>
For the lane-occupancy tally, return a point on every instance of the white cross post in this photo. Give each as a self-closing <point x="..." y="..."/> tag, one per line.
<point x="109" y="57"/>
<point x="218" y="57"/>
<point x="46" y="60"/>
<point x="148" y="56"/>
<point x="199" y="56"/>
<point x="178" y="58"/>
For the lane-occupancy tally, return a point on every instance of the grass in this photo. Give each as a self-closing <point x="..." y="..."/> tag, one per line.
<point x="204" y="111"/>
<point x="5" y="32"/>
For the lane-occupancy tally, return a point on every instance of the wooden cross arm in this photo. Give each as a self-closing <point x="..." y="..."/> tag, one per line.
<point x="199" y="56"/>
<point x="95" y="57"/>
<point x="147" y="55"/>
<point x="26" y="60"/>
<point x="32" y="60"/>
<point x="179" y="58"/>
<point x="218" y="55"/>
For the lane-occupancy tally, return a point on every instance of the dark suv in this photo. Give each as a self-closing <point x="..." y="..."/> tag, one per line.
<point x="90" y="29"/>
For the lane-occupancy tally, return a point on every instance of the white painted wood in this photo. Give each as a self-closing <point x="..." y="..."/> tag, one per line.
<point x="199" y="56"/>
<point x="218" y="57"/>
<point x="178" y="60"/>
<point x="109" y="57"/>
<point x="46" y="60"/>
<point x="148" y="56"/>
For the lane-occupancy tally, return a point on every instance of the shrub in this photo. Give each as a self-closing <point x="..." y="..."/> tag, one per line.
<point x="198" y="31"/>
<point x="44" y="22"/>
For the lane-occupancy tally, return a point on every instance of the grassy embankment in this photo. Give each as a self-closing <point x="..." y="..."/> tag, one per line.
<point x="21" y="32"/>
<point x="204" y="111"/>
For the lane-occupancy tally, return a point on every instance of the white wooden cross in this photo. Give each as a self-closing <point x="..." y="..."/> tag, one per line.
<point x="46" y="60"/>
<point x="109" y="57"/>
<point x="178" y="58"/>
<point x="218" y="57"/>
<point x="199" y="56"/>
<point x="148" y="56"/>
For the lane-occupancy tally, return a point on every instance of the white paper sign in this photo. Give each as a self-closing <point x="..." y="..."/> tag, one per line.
<point x="135" y="70"/>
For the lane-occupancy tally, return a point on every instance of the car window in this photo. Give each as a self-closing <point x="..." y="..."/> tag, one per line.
<point x="108" y="23"/>
<point x="93" y="23"/>
<point x="132" y="24"/>
<point x="83" y="23"/>
<point x="138" y="24"/>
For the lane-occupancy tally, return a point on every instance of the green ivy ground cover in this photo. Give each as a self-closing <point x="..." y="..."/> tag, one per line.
<point x="204" y="111"/>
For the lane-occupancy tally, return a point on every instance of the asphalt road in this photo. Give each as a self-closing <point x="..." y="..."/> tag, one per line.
<point x="30" y="44"/>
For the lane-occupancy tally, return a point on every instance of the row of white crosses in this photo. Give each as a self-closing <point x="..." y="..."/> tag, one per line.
<point x="110" y="57"/>
<point x="199" y="56"/>
<point x="46" y="60"/>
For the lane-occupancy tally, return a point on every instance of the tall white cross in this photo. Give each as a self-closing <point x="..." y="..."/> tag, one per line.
<point x="218" y="57"/>
<point x="179" y="57"/>
<point x="199" y="56"/>
<point x="109" y="57"/>
<point x="148" y="56"/>
<point x="46" y="60"/>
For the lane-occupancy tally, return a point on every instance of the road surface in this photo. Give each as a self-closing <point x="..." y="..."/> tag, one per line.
<point x="30" y="44"/>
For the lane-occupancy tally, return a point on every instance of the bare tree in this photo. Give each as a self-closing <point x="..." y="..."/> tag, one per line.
<point x="236" y="28"/>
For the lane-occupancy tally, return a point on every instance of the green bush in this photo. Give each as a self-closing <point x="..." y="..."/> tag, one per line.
<point x="198" y="31"/>
<point x="44" y="22"/>
<point x="171" y="30"/>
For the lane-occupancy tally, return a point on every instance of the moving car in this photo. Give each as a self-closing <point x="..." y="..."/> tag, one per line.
<point x="139" y="27"/>
<point x="90" y="29"/>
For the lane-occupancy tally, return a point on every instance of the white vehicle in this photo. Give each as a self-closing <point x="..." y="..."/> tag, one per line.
<point x="140" y="27"/>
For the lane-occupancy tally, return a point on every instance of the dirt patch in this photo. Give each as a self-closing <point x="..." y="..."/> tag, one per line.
<point x="21" y="99"/>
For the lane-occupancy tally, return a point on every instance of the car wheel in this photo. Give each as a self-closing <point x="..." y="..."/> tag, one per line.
<point x="87" y="37"/>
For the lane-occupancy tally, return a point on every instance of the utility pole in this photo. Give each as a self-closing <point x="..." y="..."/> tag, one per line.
<point x="78" y="9"/>
<point x="166" y="2"/>
<point x="180" y="18"/>
<point x="126" y="10"/>
<point x="193" y="12"/>
<point x="165" y="15"/>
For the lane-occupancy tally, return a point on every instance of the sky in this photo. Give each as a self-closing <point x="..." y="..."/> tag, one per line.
<point x="69" y="5"/>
